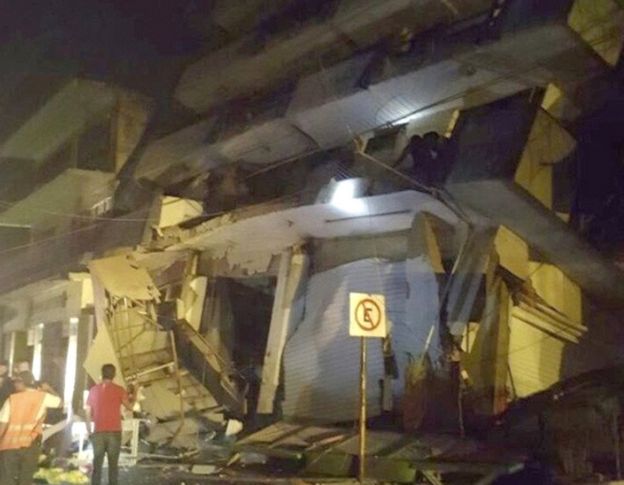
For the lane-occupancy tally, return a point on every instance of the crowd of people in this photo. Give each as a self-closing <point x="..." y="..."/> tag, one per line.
<point x="23" y="406"/>
<point x="24" y="403"/>
<point x="7" y="381"/>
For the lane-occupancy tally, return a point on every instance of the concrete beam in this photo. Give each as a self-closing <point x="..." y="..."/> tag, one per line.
<point x="328" y="108"/>
<point x="277" y="229"/>
<point x="62" y="116"/>
<point x="232" y="72"/>
<point x="52" y="204"/>
<point x="291" y="276"/>
<point x="507" y="204"/>
<point x="483" y="179"/>
<point x="240" y="17"/>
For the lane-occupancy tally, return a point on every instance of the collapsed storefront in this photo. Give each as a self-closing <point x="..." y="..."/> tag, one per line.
<point x="245" y="317"/>
<point x="437" y="181"/>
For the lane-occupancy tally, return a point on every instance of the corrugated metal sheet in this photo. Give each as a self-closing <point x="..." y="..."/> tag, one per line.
<point x="321" y="360"/>
<point x="538" y="340"/>
<point x="535" y="358"/>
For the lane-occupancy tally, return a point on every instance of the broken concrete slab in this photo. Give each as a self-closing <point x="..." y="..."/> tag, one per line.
<point x="102" y="352"/>
<point x="512" y="252"/>
<point x="122" y="277"/>
<point x="184" y="434"/>
<point x="204" y="469"/>
<point x="275" y="231"/>
<point x="330" y="451"/>
<point x="175" y="210"/>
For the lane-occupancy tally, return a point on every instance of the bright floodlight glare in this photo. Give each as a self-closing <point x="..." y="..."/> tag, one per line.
<point x="343" y="196"/>
<point x="78" y="428"/>
<point x="71" y="363"/>
<point x="343" y="192"/>
<point x="37" y="351"/>
<point x="410" y="117"/>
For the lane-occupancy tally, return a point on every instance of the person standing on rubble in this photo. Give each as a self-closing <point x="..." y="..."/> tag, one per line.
<point x="104" y="410"/>
<point x="21" y="427"/>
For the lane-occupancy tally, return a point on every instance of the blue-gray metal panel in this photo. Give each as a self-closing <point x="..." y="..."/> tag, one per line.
<point x="321" y="360"/>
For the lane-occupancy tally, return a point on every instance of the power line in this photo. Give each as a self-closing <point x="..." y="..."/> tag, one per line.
<point x="73" y="215"/>
<point x="48" y="239"/>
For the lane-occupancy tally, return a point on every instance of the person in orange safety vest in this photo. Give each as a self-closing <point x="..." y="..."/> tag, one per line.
<point x="21" y="426"/>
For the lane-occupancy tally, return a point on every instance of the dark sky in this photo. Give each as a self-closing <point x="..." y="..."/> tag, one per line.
<point x="136" y="43"/>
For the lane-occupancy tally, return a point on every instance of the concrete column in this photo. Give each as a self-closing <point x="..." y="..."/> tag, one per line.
<point x="468" y="276"/>
<point x="501" y="351"/>
<point x="71" y="365"/>
<point x="422" y="242"/>
<point x="292" y="273"/>
<point x="37" y="361"/>
<point x="86" y="333"/>
<point x="9" y="349"/>
<point x="17" y="347"/>
<point x="486" y="363"/>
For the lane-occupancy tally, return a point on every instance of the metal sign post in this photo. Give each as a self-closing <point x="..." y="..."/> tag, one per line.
<point x="362" y="470"/>
<point x="367" y="319"/>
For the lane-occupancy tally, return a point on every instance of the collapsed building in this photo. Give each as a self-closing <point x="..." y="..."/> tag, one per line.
<point x="212" y="265"/>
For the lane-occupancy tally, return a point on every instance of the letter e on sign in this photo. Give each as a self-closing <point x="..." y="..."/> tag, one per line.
<point x="367" y="315"/>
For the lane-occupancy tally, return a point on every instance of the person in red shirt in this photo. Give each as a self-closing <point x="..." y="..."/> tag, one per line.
<point x="104" y="411"/>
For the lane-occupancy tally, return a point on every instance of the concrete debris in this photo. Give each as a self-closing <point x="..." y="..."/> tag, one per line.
<point x="124" y="278"/>
<point x="175" y="210"/>
<point x="187" y="433"/>
<point x="233" y="427"/>
<point x="392" y="457"/>
<point x="102" y="352"/>
<point x="250" y="458"/>
<point x="146" y="328"/>
<point x="427" y="169"/>
<point x="204" y="469"/>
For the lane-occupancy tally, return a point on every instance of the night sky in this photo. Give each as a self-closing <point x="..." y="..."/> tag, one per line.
<point x="139" y="44"/>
